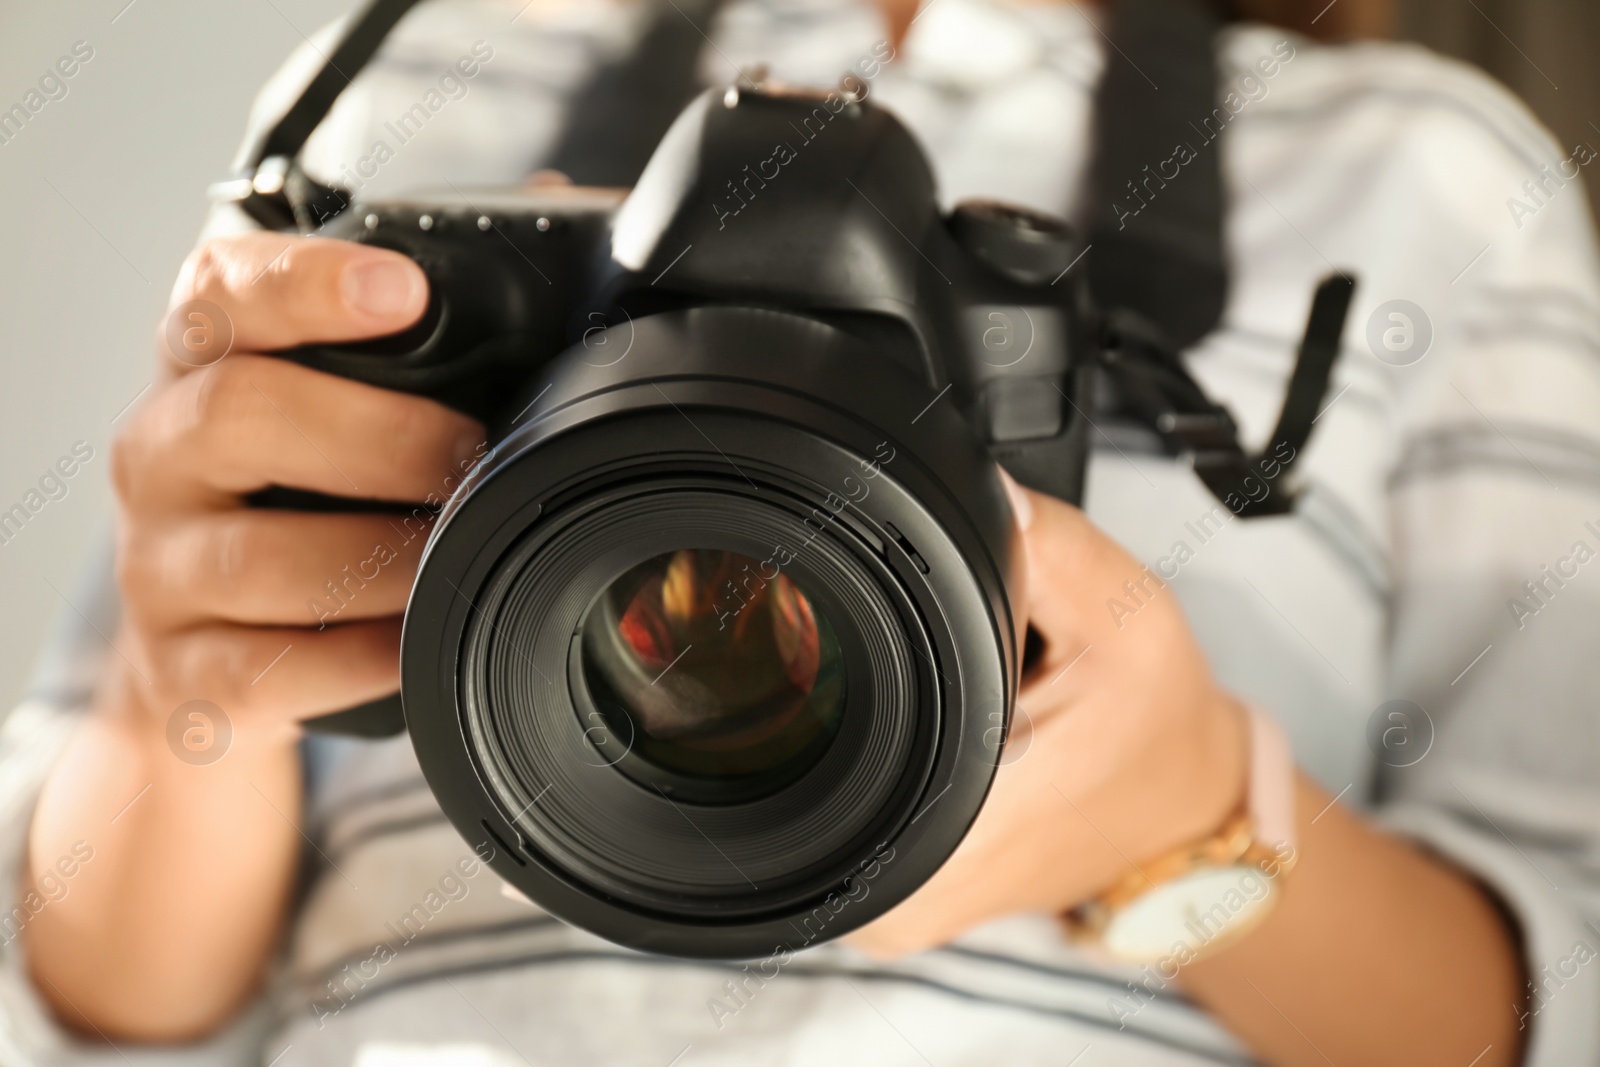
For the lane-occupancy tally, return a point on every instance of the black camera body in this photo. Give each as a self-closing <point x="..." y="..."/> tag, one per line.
<point x="746" y="416"/>
<point x="806" y="202"/>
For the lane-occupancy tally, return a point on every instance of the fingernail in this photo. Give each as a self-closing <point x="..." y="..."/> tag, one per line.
<point x="1020" y="504"/>
<point x="511" y="892"/>
<point x="385" y="288"/>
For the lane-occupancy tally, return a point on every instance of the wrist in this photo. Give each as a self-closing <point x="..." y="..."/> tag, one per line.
<point x="1196" y="777"/>
<point x="197" y="733"/>
<point x="1221" y="763"/>
<point x="1216" y="885"/>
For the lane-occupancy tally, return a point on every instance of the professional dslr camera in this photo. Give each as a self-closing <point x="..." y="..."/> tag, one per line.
<point x="715" y="651"/>
<point x="722" y="631"/>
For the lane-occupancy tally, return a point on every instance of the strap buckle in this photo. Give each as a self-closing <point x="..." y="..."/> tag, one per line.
<point x="280" y="195"/>
<point x="1152" y="386"/>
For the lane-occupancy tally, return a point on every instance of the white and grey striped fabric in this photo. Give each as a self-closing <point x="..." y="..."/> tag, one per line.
<point x="1437" y="489"/>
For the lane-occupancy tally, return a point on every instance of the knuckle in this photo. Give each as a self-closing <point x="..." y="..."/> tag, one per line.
<point x="416" y="424"/>
<point x="198" y="560"/>
<point x="137" y="448"/>
<point x="128" y="460"/>
<point x="206" y="663"/>
<point x="206" y="270"/>
<point x="224" y="393"/>
<point x="130" y="569"/>
<point x="245" y="559"/>
<point x="298" y="283"/>
<point x="235" y="547"/>
<point x="158" y="666"/>
<point x="289" y="266"/>
<point x="156" y="572"/>
<point x="133" y="561"/>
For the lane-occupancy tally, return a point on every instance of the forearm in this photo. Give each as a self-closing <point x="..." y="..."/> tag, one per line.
<point x="165" y="933"/>
<point x="1369" y="929"/>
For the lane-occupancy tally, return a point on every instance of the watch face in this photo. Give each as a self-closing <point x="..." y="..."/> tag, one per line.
<point x="1183" y="918"/>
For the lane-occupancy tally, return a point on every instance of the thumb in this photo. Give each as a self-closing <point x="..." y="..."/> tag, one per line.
<point x="1074" y="571"/>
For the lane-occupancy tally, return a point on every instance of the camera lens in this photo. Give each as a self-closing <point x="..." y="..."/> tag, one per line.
<point x="708" y="660"/>
<point x="718" y="668"/>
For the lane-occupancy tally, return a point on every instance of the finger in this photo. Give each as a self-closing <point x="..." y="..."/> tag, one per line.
<point x="1084" y="590"/>
<point x="278" y="673"/>
<point x="278" y="291"/>
<point x="251" y="421"/>
<point x="273" y="567"/>
<point x="1073" y="567"/>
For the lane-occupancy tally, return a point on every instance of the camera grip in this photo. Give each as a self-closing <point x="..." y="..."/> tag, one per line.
<point x="384" y="717"/>
<point x="472" y="346"/>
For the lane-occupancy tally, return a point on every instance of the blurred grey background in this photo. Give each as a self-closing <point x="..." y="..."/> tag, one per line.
<point x="103" y="195"/>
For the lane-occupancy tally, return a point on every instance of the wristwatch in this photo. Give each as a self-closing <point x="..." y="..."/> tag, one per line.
<point x="1204" y="894"/>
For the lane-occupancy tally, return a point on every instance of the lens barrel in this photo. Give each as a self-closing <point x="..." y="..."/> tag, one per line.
<point x="709" y="651"/>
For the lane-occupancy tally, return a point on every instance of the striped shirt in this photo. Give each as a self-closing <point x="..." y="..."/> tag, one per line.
<point x="1440" y="555"/>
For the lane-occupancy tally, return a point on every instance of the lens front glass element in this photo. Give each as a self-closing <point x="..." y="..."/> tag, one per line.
<point x="714" y="667"/>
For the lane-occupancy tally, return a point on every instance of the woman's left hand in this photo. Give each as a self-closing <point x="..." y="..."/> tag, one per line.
<point x="1122" y="746"/>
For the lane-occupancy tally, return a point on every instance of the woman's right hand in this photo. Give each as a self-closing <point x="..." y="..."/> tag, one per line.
<point x="165" y="932"/>
<point x="214" y="590"/>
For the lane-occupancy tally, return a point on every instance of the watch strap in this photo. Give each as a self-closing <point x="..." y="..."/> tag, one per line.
<point x="1270" y="798"/>
<point x="1261" y="833"/>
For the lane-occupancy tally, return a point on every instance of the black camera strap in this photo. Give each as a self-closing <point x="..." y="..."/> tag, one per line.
<point x="1156" y="259"/>
<point x="1156" y="243"/>
<point x="272" y="188"/>
<point x="616" y="121"/>
<point x="613" y="124"/>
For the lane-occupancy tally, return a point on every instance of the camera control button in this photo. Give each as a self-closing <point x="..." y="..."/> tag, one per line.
<point x="1027" y="246"/>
